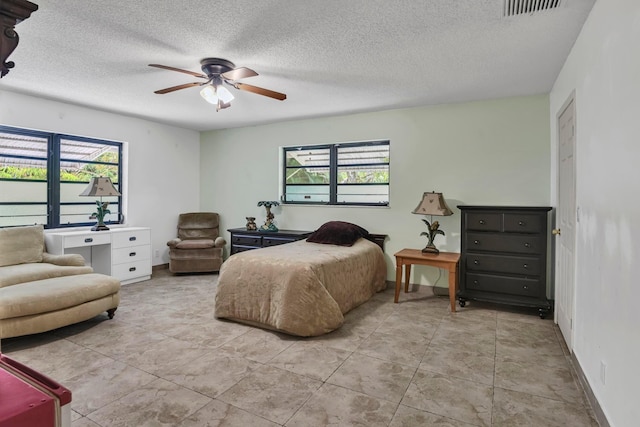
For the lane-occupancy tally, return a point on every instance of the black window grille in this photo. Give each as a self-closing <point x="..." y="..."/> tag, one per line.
<point x="43" y="173"/>
<point x="354" y="174"/>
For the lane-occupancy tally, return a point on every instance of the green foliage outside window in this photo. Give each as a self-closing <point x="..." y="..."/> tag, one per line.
<point x="84" y="174"/>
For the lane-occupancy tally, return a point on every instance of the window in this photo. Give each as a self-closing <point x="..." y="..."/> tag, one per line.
<point x="337" y="174"/>
<point x="42" y="174"/>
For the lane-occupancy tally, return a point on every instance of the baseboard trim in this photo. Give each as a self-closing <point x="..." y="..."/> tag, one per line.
<point x="160" y="267"/>
<point x="591" y="397"/>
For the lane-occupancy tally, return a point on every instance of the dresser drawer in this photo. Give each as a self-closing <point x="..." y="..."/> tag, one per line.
<point x="274" y="241"/>
<point x="239" y="239"/>
<point x="133" y="253"/>
<point x="123" y="239"/>
<point x="504" y="285"/>
<point x="524" y="244"/>
<point x="523" y="223"/>
<point x="235" y="249"/>
<point x="89" y="239"/>
<point x="483" y="221"/>
<point x="526" y="266"/>
<point x="131" y="270"/>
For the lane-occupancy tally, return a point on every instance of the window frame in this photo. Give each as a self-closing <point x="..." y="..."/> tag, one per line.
<point x="53" y="181"/>
<point x="334" y="165"/>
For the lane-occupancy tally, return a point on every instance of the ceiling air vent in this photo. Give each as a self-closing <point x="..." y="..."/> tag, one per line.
<point x="523" y="7"/>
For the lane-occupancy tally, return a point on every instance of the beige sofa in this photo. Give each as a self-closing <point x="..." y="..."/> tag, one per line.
<point x="40" y="292"/>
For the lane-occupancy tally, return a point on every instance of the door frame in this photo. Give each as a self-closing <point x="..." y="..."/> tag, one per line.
<point x="570" y="99"/>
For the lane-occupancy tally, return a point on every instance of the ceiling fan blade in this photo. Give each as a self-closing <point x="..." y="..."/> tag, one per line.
<point x="239" y="73"/>
<point x="180" y="70"/>
<point x="174" y="88"/>
<point x="260" y="91"/>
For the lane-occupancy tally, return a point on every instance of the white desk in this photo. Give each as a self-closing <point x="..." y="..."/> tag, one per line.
<point x="124" y="253"/>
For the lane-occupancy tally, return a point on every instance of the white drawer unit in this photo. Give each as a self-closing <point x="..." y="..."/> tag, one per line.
<point x="131" y="254"/>
<point x="124" y="253"/>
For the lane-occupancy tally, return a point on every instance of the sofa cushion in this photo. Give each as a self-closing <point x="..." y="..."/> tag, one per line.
<point x="21" y="245"/>
<point x="75" y="260"/>
<point x="48" y="295"/>
<point x="20" y="273"/>
<point x="195" y="244"/>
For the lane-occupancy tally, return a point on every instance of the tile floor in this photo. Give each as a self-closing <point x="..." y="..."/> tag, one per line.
<point x="164" y="360"/>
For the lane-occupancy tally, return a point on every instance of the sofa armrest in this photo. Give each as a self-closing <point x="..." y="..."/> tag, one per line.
<point x="75" y="260"/>
<point x="173" y="242"/>
<point x="219" y="242"/>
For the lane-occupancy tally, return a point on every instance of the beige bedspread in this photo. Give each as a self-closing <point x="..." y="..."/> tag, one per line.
<point x="300" y="288"/>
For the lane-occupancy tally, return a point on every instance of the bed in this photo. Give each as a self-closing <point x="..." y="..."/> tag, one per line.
<point x="301" y="288"/>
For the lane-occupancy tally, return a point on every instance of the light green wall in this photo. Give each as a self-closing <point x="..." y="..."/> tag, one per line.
<point x="489" y="152"/>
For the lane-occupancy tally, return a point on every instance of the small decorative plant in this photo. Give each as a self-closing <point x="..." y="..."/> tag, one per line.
<point x="433" y="231"/>
<point x="101" y="211"/>
<point x="268" y="224"/>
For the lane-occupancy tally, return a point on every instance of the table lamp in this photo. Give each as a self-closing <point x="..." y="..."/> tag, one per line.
<point x="99" y="187"/>
<point x="432" y="204"/>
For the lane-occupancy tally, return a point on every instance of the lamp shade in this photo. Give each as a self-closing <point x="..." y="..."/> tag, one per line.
<point x="209" y="94"/>
<point x="224" y="94"/>
<point x="432" y="204"/>
<point x="100" y="186"/>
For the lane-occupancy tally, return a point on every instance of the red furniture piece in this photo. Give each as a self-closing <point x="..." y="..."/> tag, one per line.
<point x="29" y="398"/>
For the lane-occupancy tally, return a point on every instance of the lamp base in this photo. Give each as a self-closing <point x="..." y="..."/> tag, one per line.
<point x="430" y="249"/>
<point x="99" y="227"/>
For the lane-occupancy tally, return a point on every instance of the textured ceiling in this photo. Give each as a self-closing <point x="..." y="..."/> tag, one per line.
<point x="330" y="57"/>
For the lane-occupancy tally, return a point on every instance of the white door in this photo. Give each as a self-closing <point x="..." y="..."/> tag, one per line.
<point x="566" y="223"/>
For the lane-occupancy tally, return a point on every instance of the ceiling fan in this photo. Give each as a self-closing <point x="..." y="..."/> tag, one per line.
<point x="217" y="73"/>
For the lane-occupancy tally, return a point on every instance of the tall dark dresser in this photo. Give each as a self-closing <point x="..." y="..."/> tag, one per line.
<point x="504" y="255"/>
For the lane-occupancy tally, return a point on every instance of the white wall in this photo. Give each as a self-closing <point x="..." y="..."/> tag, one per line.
<point x="490" y="152"/>
<point x="604" y="70"/>
<point x="161" y="167"/>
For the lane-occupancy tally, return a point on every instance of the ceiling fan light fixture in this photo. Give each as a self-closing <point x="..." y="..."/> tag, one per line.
<point x="224" y="94"/>
<point x="217" y="72"/>
<point x="209" y="94"/>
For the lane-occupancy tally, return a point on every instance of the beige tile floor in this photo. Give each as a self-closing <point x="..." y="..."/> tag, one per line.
<point x="164" y="360"/>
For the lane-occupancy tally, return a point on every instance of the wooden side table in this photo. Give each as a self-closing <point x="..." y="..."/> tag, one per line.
<point x="446" y="260"/>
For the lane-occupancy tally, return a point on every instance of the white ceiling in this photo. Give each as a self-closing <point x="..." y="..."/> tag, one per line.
<point x="330" y="57"/>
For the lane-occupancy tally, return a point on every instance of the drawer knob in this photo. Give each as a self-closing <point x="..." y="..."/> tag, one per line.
<point x="132" y="238"/>
<point x="525" y="265"/>
<point x="521" y="223"/>
<point x="527" y="245"/>
<point x="525" y="287"/>
<point x="481" y="222"/>
<point x="475" y="282"/>
<point x="476" y="242"/>
<point x="132" y="254"/>
<point x="132" y="269"/>
<point x="476" y="262"/>
<point x="88" y="240"/>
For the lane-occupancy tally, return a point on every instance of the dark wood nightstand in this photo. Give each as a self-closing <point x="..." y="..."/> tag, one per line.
<point x="244" y="240"/>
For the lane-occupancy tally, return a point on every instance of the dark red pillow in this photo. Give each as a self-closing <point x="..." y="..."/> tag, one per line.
<point x="338" y="233"/>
